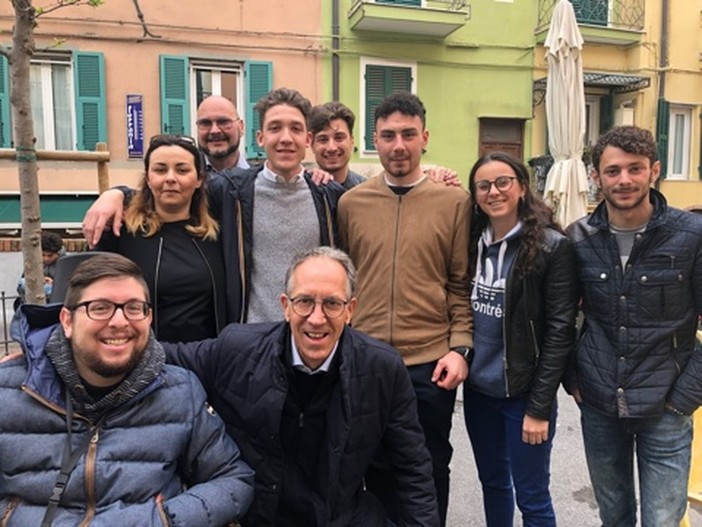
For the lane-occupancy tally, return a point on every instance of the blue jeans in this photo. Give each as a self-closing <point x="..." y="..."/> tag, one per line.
<point x="435" y="410"/>
<point x="663" y="448"/>
<point x="507" y="465"/>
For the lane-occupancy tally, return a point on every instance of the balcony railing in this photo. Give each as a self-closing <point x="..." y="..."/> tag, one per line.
<point x="615" y="14"/>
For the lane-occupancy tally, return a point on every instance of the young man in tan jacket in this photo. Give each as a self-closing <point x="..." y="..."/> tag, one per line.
<point x="408" y="238"/>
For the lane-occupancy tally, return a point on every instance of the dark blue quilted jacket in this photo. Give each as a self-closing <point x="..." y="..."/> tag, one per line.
<point x="637" y="347"/>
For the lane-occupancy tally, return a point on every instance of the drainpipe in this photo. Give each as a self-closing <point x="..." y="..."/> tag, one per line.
<point x="663" y="60"/>
<point x="335" y="49"/>
<point x="662" y="66"/>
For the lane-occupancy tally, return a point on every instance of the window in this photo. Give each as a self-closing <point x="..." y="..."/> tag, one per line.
<point x="379" y="81"/>
<point x="214" y="78"/>
<point x="594" y="12"/>
<point x="185" y="82"/>
<point x="51" y="92"/>
<point x="679" y="142"/>
<point x="592" y="119"/>
<point x="67" y="93"/>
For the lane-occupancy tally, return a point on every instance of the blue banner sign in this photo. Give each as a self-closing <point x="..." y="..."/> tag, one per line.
<point x="135" y="126"/>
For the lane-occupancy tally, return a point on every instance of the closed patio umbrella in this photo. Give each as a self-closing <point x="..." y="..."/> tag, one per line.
<point x="566" y="182"/>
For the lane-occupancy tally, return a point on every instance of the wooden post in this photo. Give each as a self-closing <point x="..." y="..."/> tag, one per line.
<point x="103" y="175"/>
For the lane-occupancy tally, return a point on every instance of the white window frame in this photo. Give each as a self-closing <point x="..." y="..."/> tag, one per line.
<point x="592" y="127"/>
<point x="47" y="98"/>
<point x="680" y="141"/>
<point x="366" y="61"/>
<point x="216" y="68"/>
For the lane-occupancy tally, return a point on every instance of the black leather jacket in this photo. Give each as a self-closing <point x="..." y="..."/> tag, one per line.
<point x="539" y="324"/>
<point x="636" y="350"/>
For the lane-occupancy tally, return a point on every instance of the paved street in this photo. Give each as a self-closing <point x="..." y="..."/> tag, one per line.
<point x="570" y="486"/>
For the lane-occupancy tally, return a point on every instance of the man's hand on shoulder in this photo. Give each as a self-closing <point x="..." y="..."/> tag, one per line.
<point x="443" y="175"/>
<point x="451" y="370"/>
<point x="320" y="177"/>
<point x="106" y="210"/>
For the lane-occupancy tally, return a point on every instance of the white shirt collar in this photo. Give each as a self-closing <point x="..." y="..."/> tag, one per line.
<point x="271" y="176"/>
<point x="299" y="365"/>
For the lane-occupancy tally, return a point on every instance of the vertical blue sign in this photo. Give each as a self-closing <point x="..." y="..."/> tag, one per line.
<point x="135" y="126"/>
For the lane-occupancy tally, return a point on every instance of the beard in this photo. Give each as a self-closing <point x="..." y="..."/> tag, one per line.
<point x="95" y="364"/>
<point x="221" y="154"/>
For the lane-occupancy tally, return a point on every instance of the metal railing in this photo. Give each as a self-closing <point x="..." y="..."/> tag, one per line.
<point x="615" y="14"/>
<point x="7" y="306"/>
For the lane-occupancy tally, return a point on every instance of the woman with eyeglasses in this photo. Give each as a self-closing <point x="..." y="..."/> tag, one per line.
<point x="524" y="299"/>
<point x="170" y="234"/>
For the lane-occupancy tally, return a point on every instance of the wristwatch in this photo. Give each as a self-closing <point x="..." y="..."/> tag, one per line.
<point x="466" y="352"/>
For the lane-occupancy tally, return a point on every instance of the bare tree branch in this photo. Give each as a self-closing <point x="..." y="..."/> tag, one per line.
<point x="147" y="32"/>
<point x="65" y="3"/>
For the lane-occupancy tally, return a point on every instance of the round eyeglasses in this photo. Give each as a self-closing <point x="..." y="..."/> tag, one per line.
<point x="105" y="310"/>
<point x="502" y="183"/>
<point x="303" y="306"/>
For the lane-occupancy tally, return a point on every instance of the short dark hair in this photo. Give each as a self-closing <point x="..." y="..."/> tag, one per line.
<point x="323" y="251"/>
<point x="631" y="139"/>
<point x="97" y="268"/>
<point x="323" y="114"/>
<point x="404" y="102"/>
<point x="286" y="96"/>
<point x="51" y="242"/>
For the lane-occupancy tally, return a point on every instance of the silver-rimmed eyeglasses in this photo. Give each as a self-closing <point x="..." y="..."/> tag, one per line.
<point x="105" y="309"/>
<point x="332" y="307"/>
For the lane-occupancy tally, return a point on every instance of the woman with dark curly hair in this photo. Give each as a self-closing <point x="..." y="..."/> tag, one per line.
<point x="524" y="300"/>
<point x="170" y="234"/>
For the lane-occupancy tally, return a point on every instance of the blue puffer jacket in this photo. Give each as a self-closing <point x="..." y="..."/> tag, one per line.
<point x="636" y="351"/>
<point x="148" y="449"/>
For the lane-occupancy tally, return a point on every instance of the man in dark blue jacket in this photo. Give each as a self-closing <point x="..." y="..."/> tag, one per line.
<point x="311" y="400"/>
<point x="638" y="377"/>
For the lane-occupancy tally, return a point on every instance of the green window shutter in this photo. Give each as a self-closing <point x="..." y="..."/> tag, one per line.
<point x="662" y="131"/>
<point x="380" y="82"/>
<point x="175" y="106"/>
<point x="606" y="112"/>
<point x="259" y="81"/>
<point x="5" y="111"/>
<point x="91" y="112"/>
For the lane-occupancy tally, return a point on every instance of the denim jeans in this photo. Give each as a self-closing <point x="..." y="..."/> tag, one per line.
<point x="663" y="448"/>
<point x="506" y="464"/>
<point x="435" y="409"/>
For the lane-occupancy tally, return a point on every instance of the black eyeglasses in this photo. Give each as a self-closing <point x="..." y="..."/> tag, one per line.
<point x="331" y="307"/>
<point x="225" y="124"/>
<point x="105" y="310"/>
<point x="502" y="183"/>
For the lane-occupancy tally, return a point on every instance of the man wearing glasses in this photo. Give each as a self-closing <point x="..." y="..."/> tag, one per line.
<point x="219" y="131"/>
<point x="95" y="428"/>
<point x="310" y="400"/>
